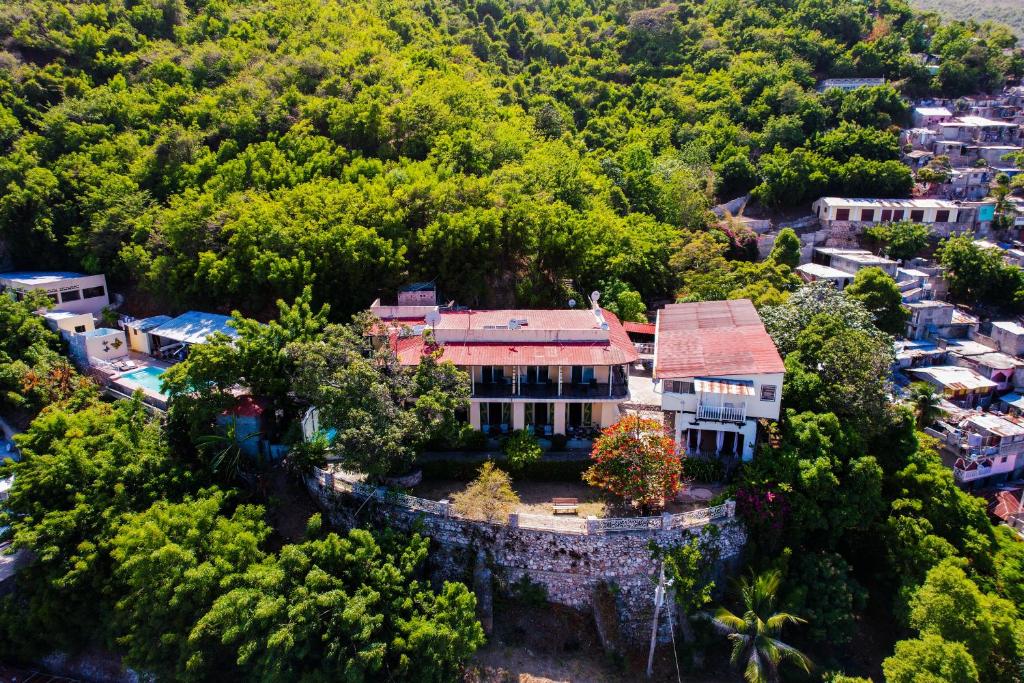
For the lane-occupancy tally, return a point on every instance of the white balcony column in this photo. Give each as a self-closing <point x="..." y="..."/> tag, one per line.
<point x="518" y="415"/>
<point x="474" y="415"/>
<point x="559" y="426"/>
<point x="749" y="432"/>
<point x="560" y="392"/>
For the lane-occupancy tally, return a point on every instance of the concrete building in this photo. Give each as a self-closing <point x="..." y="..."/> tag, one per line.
<point x="718" y="372"/>
<point x="812" y="272"/>
<point x="988" y="449"/>
<point x="852" y="260"/>
<point x="930" y="319"/>
<point x="928" y="117"/>
<point x="1009" y="337"/>
<point x="958" y="385"/>
<point x="943" y="216"/>
<point x="66" y="323"/>
<point x="71" y="292"/>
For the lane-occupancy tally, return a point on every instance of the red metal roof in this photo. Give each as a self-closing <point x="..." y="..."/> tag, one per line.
<point x="1006" y="503"/>
<point x="713" y="338"/>
<point x="639" y="328"/>
<point x="616" y="351"/>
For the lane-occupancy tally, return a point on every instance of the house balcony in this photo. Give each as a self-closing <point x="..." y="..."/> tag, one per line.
<point x="550" y="390"/>
<point x="722" y="413"/>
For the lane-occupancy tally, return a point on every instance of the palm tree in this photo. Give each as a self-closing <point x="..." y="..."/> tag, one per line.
<point x="754" y="634"/>
<point x="925" y="402"/>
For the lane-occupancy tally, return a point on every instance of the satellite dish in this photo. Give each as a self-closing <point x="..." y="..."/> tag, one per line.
<point x="513" y="324"/>
<point x="595" y="295"/>
<point x="432" y="318"/>
<point x="572" y="303"/>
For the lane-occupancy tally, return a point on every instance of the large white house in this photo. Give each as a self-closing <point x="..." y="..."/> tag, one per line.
<point x="72" y="292"/>
<point x="718" y="372"/>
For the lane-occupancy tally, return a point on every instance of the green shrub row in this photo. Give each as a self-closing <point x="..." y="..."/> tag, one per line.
<point x="541" y="470"/>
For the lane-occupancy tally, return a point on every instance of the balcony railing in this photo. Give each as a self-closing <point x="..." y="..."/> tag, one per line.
<point x="721" y="413"/>
<point x="595" y="390"/>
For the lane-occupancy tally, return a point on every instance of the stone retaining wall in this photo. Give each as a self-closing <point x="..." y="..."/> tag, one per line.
<point x="568" y="566"/>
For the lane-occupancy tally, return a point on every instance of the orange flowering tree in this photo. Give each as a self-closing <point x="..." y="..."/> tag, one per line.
<point x="637" y="460"/>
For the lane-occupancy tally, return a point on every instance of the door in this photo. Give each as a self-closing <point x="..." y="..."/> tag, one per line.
<point x="575" y="418"/>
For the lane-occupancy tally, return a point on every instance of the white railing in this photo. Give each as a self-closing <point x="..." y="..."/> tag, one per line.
<point x="646" y="348"/>
<point x="611" y="525"/>
<point x="556" y="524"/>
<point x="686" y="520"/>
<point x="721" y="413"/>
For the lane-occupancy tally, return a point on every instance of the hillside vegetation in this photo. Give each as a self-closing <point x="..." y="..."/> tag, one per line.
<point x="223" y="153"/>
<point x="1009" y="12"/>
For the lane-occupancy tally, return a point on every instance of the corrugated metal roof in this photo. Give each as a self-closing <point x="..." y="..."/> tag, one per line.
<point x="617" y="350"/>
<point x="713" y="338"/>
<point x="639" y="328"/>
<point x="194" y="327"/>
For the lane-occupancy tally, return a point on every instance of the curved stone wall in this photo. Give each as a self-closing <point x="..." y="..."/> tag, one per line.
<point x="569" y="566"/>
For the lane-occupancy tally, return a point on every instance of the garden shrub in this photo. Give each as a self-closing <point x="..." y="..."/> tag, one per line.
<point x="703" y="470"/>
<point x="489" y="497"/>
<point x="521" y="449"/>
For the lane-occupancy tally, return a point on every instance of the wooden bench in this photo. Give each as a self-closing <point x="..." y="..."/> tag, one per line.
<point x="564" y="506"/>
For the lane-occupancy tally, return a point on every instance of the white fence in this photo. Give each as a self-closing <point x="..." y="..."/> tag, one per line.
<point x="562" y="524"/>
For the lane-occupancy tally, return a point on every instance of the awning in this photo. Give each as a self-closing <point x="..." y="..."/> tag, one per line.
<point x="724" y="386"/>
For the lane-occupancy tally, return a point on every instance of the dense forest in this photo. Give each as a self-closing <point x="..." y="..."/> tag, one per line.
<point x="222" y="154"/>
<point x="1007" y="12"/>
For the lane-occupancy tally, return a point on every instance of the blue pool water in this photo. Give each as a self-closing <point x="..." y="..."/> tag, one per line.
<point x="149" y="377"/>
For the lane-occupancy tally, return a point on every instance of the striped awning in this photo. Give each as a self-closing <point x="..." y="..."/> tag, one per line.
<point x="724" y="386"/>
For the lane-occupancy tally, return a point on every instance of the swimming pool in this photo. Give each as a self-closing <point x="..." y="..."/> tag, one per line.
<point x="148" y="377"/>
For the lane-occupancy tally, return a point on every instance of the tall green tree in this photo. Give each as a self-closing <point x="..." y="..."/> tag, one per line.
<point x="170" y="562"/>
<point x="878" y="292"/>
<point x="350" y="608"/>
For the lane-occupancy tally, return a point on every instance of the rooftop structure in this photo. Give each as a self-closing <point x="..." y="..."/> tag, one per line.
<point x="72" y="292"/>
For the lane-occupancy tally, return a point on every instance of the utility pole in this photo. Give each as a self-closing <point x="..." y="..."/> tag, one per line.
<point x="659" y="599"/>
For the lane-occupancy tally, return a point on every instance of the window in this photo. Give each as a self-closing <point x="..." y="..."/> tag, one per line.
<point x="53" y="297"/>
<point x="70" y="295"/>
<point x="867" y="215"/>
<point x="93" y="292"/>
<point x="886" y="215"/>
<point x="589" y="374"/>
<point x="79" y="329"/>
<point x="917" y="215"/>
<point x="942" y="216"/>
<point x="1002" y="459"/>
<point x="897" y="214"/>
<point x="675" y="386"/>
<point x="842" y="214"/>
<point x="768" y="392"/>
